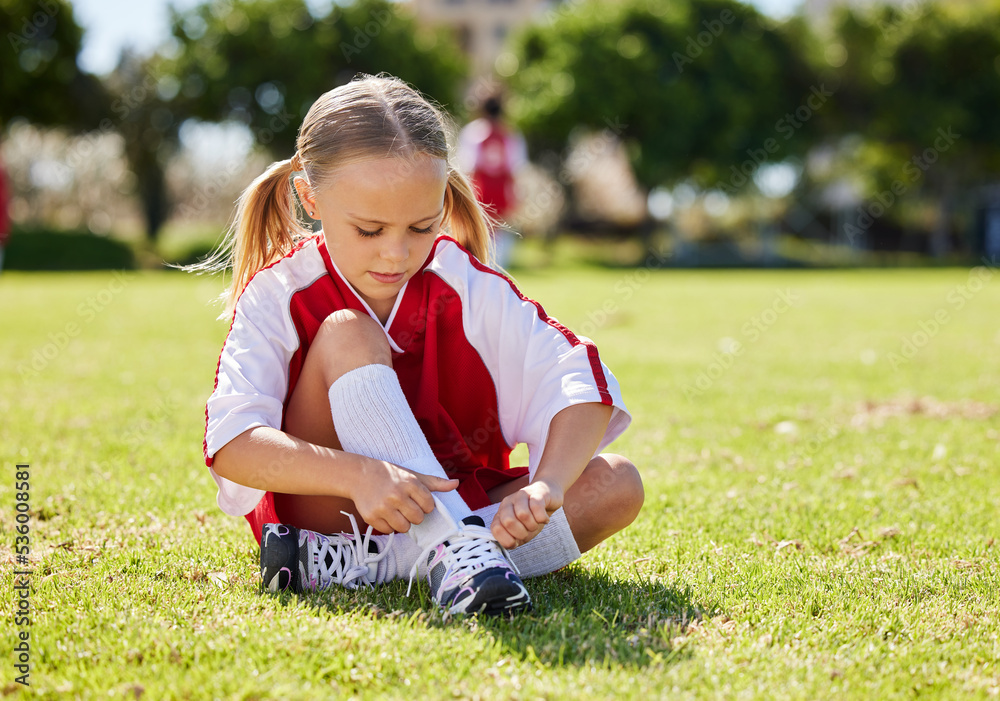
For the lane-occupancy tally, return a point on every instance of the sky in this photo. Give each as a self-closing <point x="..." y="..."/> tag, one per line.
<point x="111" y="25"/>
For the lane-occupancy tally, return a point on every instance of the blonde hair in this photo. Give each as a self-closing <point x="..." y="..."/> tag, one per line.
<point x="370" y="117"/>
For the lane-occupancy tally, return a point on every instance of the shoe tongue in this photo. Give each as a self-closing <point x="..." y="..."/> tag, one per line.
<point x="473" y="520"/>
<point x="373" y="566"/>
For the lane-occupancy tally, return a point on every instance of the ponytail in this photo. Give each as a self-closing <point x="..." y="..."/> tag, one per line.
<point x="266" y="227"/>
<point x="264" y="230"/>
<point x="467" y="221"/>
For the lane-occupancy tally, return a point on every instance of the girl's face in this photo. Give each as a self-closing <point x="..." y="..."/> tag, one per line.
<point x="380" y="218"/>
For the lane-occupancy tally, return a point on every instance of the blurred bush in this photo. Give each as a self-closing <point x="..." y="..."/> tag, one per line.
<point x="46" y="249"/>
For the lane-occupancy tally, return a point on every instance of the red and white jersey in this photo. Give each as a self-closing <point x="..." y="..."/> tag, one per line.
<point x="481" y="365"/>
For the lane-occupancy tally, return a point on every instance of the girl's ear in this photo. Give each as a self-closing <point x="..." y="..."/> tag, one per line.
<point x="306" y="195"/>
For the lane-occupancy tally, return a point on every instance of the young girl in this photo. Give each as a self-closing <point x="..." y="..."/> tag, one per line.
<point x="379" y="372"/>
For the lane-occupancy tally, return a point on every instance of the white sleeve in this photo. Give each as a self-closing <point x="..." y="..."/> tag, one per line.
<point x="252" y="380"/>
<point x="517" y="152"/>
<point x="539" y="367"/>
<point x="469" y="139"/>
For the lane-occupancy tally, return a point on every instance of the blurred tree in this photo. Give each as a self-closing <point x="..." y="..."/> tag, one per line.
<point x="264" y="62"/>
<point x="261" y="63"/>
<point x="923" y="88"/>
<point x="141" y="112"/>
<point x="695" y="88"/>
<point x="41" y="81"/>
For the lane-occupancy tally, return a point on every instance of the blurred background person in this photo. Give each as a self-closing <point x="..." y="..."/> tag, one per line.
<point x="491" y="153"/>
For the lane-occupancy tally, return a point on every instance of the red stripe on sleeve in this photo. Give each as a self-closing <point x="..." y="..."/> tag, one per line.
<point x="595" y="360"/>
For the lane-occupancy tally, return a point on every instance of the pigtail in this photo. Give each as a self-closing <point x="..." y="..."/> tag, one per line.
<point x="265" y="229"/>
<point x="467" y="221"/>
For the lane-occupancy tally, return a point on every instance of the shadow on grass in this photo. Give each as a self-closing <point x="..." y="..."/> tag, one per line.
<point x="580" y="618"/>
<point x="584" y="617"/>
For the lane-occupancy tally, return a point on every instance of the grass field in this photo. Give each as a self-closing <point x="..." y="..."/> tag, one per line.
<point x="822" y="503"/>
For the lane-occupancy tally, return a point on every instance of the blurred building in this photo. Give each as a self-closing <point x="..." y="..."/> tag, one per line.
<point x="482" y="26"/>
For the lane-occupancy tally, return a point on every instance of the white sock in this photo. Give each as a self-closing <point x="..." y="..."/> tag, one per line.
<point x="552" y="549"/>
<point x="400" y="559"/>
<point x="372" y="418"/>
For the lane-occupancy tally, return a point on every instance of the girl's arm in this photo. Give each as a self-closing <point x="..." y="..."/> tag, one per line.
<point x="574" y="435"/>
<point x="387" y="497"/>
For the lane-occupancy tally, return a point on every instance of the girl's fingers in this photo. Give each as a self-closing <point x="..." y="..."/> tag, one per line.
<point x="512" y="522"/>
<point x="538" y="511"/>
<point x="437" y="484"/>
<point x="413" y="511"/>
<point x="398" y="523"/>
<point x="424" y="498"/>
<point x="380" y="524"/>
<point x="522" y="511"/>
<point x="531" y="512"/>
<point x="503" y="537"/>
<point x="519" y="519"/>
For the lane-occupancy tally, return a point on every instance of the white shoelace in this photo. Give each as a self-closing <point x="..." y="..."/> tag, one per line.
<point x="346" y="551"/>
<point x="471" y="548"/>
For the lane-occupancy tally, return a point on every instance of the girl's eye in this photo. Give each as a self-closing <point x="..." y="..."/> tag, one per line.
<point x="368" y="234"/>
<point x="422" y="231"/>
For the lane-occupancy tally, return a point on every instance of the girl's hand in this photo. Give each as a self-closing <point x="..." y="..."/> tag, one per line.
<point x="523" y="514"/>
<point x="390" y="498"/>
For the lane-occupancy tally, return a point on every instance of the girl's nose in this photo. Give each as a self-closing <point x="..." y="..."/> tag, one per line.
<point x="395" y="249"/>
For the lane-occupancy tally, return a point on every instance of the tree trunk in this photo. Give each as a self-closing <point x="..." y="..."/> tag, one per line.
<point x="149" y="171"/>
<point x="940" y="243"/>
<point x="153" y="191"/>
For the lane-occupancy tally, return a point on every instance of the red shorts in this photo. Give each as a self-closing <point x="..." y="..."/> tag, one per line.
<point x="474" y="484"/>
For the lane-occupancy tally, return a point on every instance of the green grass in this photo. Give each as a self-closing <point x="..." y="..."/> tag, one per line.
<point x="820" y="518"/>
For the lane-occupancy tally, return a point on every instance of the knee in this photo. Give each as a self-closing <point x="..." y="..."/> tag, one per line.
<point x="627" y="484"/>
<point x="348" y="339"/>
<point x="618" y="480"/>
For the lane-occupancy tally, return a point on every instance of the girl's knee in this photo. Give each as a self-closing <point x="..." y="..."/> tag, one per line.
<point x="606" y="499"/>
<point x="348" y="339"/>
<point x="625" y="484"/>
<point x="611" y="487"/>
<point x="349" y="325"/>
